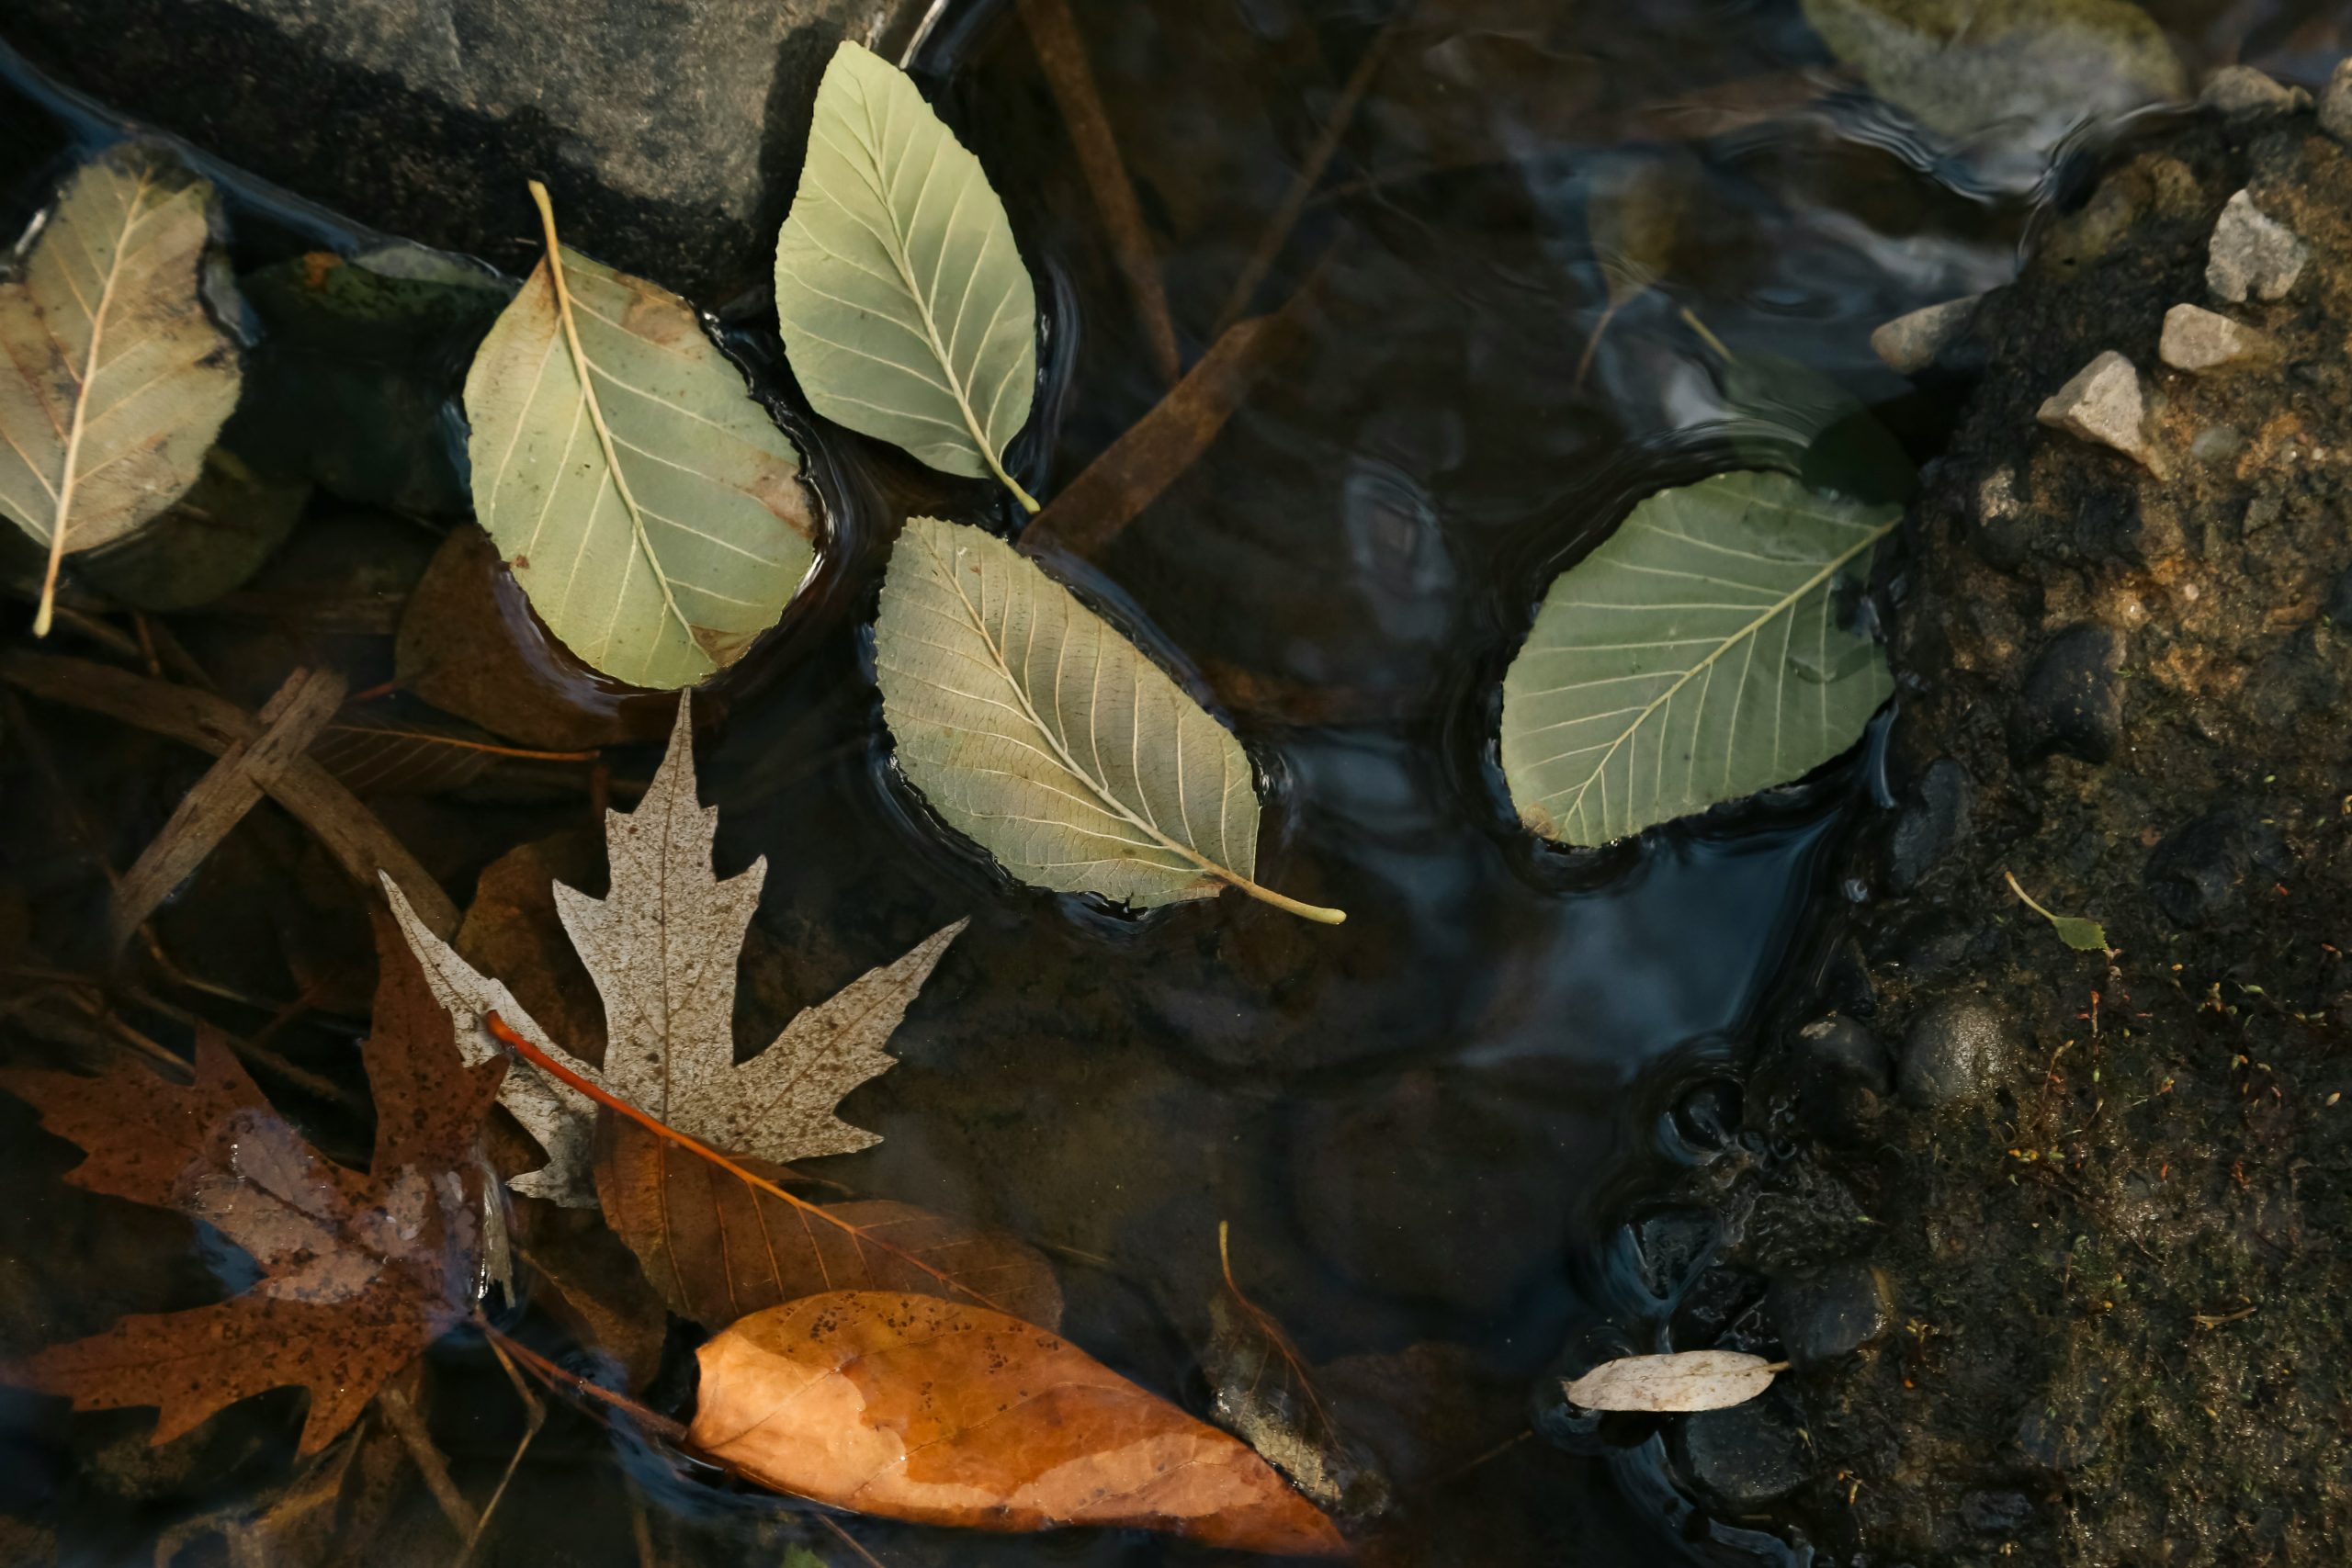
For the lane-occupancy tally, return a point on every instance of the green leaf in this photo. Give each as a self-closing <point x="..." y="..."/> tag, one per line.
<point x="1695" y="657"/>
<point x="907" y="313"/>
<point x="1039" y="732"/>
<point x="2082" y="935"/>
<point x="2020" y="74"/>
<point x="113" y="377"/>
<point x="647" y="505"/>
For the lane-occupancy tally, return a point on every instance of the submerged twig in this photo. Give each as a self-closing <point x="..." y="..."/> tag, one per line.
<point x="532" y="1423"/>
<point x="1052" y="32"/>
<point x="409" y="1426"/>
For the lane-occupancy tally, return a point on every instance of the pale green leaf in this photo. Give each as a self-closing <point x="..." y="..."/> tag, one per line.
<point x="906" y="312"/>
<point x="1038" y="731"/>
<point x="647" y="506"/>
<point x="113" y="377"/>
<point x="1695" y="657"/>
<point x="2082" y="935"/>
<point x="2015" y="75"/>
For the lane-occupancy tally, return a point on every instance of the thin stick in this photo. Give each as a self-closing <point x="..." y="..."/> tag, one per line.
<point x="410" y="1429"/>
<point x="505" y="1034"/>
<point x="427" y="737"/>
<point x="868" y="1558"/>
<point x="662" y="1426"/>
<point x="1310" y="173"/>
<point x="538" y="1420"/>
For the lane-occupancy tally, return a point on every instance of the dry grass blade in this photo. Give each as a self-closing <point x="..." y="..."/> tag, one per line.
<point x="575" y="1082"/>
<point x="1052" y="32"/>
<point x="718" y="1249"/>
<point x="232" y="786"/>
<point x="352" y="833"/>
<point x="1113" y="490"/>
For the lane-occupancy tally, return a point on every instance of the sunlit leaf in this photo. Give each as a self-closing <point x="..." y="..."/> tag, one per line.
<point x="906" y="312"/>
<point x="115" y="378"/>
<point x="650" y="508"/>
<point x="2082" y="935"/>
<point x="1687" y="1380"/>
<point x="1038" y="731"/>
<point x="1698" y="654"/>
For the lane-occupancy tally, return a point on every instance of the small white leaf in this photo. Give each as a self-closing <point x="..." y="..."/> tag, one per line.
<point x="1687" y="1380"/>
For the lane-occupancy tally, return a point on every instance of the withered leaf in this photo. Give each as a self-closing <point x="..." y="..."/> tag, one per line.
<point x="1686" y="1380"/>
<point x="662" y="950"/>
<point x="359" y="1273"/>
<point x="718" y="1249"/>
<point x="912" y="1407"/>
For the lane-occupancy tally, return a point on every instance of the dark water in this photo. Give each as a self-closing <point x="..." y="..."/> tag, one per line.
<point x="1429" y="1129"/>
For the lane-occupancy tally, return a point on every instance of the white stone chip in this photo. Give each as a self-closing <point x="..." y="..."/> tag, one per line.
<point x="2251" y="253"/>
<point x="2102" y="403"/>
<point x="2196" y="338"/>
<point x="2336" y="103"/>
<point x="1909" y="343"/>
<point x="2241" y="91"/>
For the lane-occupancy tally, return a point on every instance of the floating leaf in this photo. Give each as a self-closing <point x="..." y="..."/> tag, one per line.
<point x="1036" y="729"/>
<point x="1687" y="1380"/>
<point x="907" y="313"/>
<point x="911" y="1407"/>
<point x="2081" y="934"/>
<point x="2028" y="70"/>
<point x="718" y="1248"/>
<point x="663" y="949"/>
<point x="116" y="379"/>
<point x="1695" y="657"/>
<point x="649" y="506"/>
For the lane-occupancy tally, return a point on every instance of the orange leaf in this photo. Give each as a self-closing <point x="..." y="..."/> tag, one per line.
<point x="719" y="1247"/>
<point x="913" y="1408"/>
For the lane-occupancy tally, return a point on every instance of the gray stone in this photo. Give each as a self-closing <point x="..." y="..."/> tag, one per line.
<point x="2102" y="403"/>
<point x="2336" y="103"/>
<point x="1931" y="821"/>
<point x="1825" y="1314"/>
<point x="2240" y="91"/>
<point x="1839" y="1050"/>
<point x="1910" y="343"/>
<point x="2200" y="340"/>
<point x="670" y="133"/>
<point x="1747" y="1456"/>
<point x="2072" y="702"/>
<point x="1957" y="1051"/>
<point x="2251" y="253"/>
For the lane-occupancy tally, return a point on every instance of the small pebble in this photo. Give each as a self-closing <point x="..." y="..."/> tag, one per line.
<point x="2241" y="91"/>
<point x="2336" y="103"/>
<point x="2196" y="338"/>
<point x="1825" y="1313"/>
<point x="2102" y="403"/>
<point x="2251" y="253"/>
<point x="1956" y="1051"/>
<point x="1909" y="343"/>
<point x="2071" y="703"/>
<point x="1747" y="1456"/>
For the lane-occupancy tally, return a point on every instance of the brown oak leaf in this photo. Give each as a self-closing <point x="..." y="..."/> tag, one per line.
<point x="358" y="1273"/>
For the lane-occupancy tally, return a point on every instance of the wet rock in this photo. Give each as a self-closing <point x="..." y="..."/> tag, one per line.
<point x="1955" y="1053"/>
<point x="1669" y="1247"/>
<point x="1800" y="1218"/>
<point x="2240" y="91"/>
<point x="1747" y="1456"/>
<point x="2338" y="606"/>
<point x="1838" y="1050"/>
<point x="2103" y="404"/>
<point x="2197" y="874"/>
<point x="2072" y="703"/>
<point x="2251" y="253"/>
<point x="669" y="133"/>
<point x="2336" y="103"/>
<point x="1931" y="822"/>
<point x="1910" y="343"/>
<point x="2200" y="340"/>
<point x="1825" y="1313"/>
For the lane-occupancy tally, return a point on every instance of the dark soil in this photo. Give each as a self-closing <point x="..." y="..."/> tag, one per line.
<point x="2106" y="1192"/>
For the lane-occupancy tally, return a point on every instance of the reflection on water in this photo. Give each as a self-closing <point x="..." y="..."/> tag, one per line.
<point x="1427" y="1129"/>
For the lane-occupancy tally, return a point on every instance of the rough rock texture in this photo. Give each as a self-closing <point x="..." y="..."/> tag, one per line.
<point x="2118" y="1261"/>
<point x="1909" y="343"/>
<point x="2198" y="339"/>
<point x="668" y="131"/>
<point x="2101" y="403"/>
<point x="2252" y="253"/>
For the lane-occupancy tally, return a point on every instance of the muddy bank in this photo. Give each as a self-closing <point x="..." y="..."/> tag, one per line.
<point x="2055" y="1234"/>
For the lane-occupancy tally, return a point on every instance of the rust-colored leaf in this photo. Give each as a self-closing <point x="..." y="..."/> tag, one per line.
<point x="718" y="1248"/>
<point x="912" y="1407"/>
<point x="359" y="1273"/>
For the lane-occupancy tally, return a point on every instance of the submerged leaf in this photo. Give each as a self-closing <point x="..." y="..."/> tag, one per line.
<point x="1695" y="657"/>
<point x="114" y="378"/>
<point x="647" y="504"/>
<point x="1036" y="730"/>
<point x="358" y="1273"/>
<point x="911" y="1407"/>
<point x="1687" y="1380"/>
<point x="907" y="313"/>
<point x="718" y="1248"/>
<point x="663" y="949"/>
